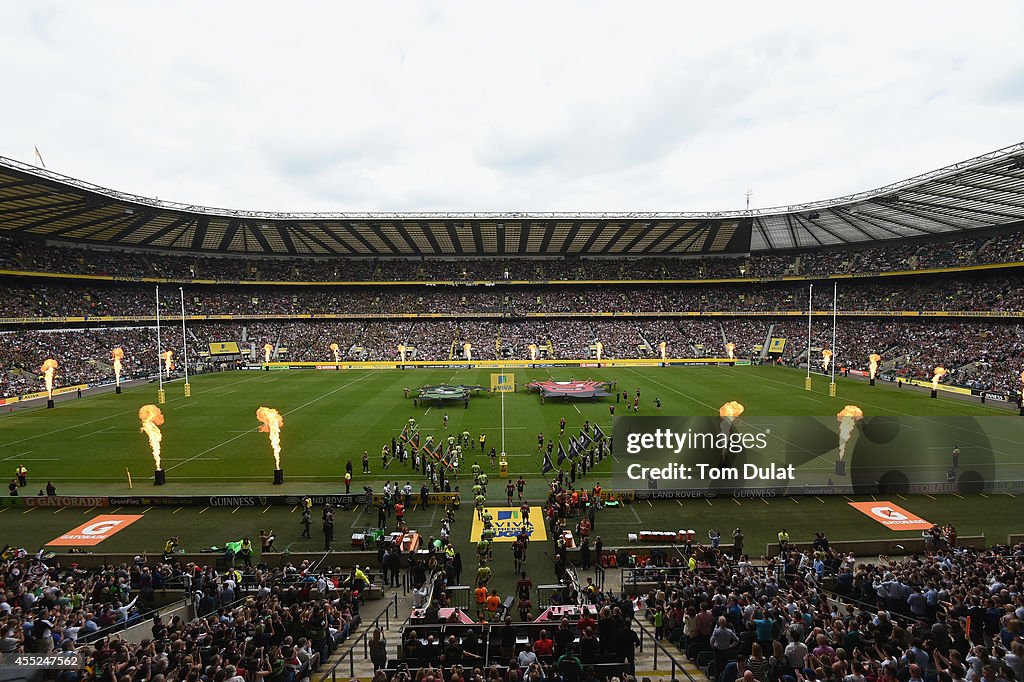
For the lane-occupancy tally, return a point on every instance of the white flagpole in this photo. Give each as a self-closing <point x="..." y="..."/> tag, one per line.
<point x="810" y="307"/>
<point x="159" y="349"/>
<point x="184" y="343"/>
<point x="835" y="317"/>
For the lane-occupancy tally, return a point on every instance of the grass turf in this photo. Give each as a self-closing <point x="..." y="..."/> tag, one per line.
<point x="211" y="445"/>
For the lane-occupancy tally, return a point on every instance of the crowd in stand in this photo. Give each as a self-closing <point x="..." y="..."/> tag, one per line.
<point x="954" y="614"/>
<point x="272" y="624"/>
<point x="25" y="298"/>
<point x="978" y="354"/>
<point x="33" y="255"/>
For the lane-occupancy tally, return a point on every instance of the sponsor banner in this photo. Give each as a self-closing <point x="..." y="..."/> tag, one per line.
<point x="224" y="348"/>
<point x="858" y="373"/>
<point x="503" y="383"/>
<point x="333" y="500"/>
<point x="153" y="501"/>
<point x="67" y="501"/>
<point x="942" y="387"/>
<point x="891" y="516"/>
<point x="340" y="499"/>
<point x="9" y="401"/>
<point x="998" y="397"/>
<point x="509" y="522"/>
<point x="777" y="345"/>
<point x="432" y="498"/>
<point x="96" y="530"/>
<point x="57" y="391"/>
<point x="328" y="367"/>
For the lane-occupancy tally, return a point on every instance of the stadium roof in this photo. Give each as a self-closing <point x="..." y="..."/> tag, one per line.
<point x="985" y="191"/>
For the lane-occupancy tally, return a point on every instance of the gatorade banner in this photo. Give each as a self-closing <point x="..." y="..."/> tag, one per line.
<point x="892" y="516"/>
<point x="96" y="530"/>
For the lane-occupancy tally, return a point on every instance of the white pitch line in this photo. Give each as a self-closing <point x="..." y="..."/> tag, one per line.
<point x="86" y="435"/>
<point x="20" y="454"/>
<point x="673" y="389"/>
<point x="573" y="407"/>
<point x="255" y="429"/>
<point x="99" y="419"/>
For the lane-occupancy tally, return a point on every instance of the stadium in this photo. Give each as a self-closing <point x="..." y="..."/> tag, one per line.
<point x="758" y="444"/>
<point x="407" y="333"/>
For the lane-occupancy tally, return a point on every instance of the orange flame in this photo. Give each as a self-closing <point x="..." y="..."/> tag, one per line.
<point x="939" y="372"/>
<point x="267" y="350"/>
<point x="271" y="422"/>
<point x="731" y="409"/>
<point x="600" y="349"/>
<point x="334" y="349"/>
<point x="401" y="351"/>
<point x="118" y="355"/>
<point x="533" y="351"/>
<point x="152" y="418"/>
<point x="847" y="418"/>
<point x="661" y="347"/>
<point x="168" y="357"/>
<point x="49" y="365"/>
<point x="826" y="358"/>
<point x="873" y="364"/>
<point x="730" y="348"/>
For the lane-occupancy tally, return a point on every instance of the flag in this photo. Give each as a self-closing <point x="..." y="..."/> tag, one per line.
<point x="40" y="157"/>
<point x="416" y="440"/>
<point x="561" y="453"/>
<point x="598" y="433"/>
<point x="585" y="440"/>
<point x="547" y="466"/>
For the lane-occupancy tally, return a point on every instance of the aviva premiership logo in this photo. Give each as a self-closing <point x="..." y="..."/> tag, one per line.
<point x="508" y="522"/>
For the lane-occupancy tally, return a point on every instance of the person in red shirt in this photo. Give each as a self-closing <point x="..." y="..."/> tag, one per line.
<point x="400" y="514"/>
<point x="544" y="646"/>
<point x="585" y="621"/>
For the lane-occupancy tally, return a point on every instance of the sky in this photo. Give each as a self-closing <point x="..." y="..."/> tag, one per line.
<point x="525" y="106"/>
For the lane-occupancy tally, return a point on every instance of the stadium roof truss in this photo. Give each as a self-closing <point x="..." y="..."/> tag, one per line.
<point x="985" y="191"/>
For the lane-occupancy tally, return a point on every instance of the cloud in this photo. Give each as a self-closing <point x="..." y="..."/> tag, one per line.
<point x="526" y="107"/>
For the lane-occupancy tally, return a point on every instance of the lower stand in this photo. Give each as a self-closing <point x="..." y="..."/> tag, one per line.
<point x="159" y="477"/>
<point x="278" y="477"/>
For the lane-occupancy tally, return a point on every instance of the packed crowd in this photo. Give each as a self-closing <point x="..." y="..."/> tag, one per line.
<point x="951" y="615"/>
<point x="275" y="623"/>
<point x="978" y="354"/>
<point x="991" y="293"/>
<point x="35" y="255"/>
